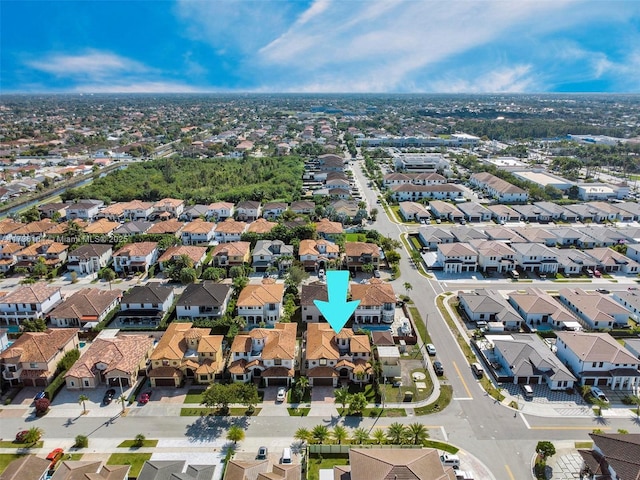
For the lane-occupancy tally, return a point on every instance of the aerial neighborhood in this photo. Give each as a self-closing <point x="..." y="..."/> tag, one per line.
<point x="173" y="272"/>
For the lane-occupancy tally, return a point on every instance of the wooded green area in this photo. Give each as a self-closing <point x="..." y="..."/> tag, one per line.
<point x="200" y="181"/>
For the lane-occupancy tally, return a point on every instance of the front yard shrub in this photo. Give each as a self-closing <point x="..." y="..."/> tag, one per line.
<point x="82" y="441"/>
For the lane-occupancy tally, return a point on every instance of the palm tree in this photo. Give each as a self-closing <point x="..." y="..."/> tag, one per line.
<point x="379" y="436"/>
<point x="360" y="435"/>
<point x="139" y="440"/>
<point x="301" y="387"/>
<point x="122" y="399"/>
<point x="303" y="434"/>
<point x="396" y="433"/>
<point x="417" y="433"/>
<point x="341" y="396"/>
<point x="407" y="287"/>
<point x="320" y="433"/>
<point x="339" y="433"/>
<point x="81" y="400"/>
<point x="108" y="275"/>
<point x="235" y="434"/>
<point x="33" y="435"/>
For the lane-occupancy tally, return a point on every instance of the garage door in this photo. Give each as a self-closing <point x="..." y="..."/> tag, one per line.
<point x="165" y="382"/>
<point x="115" y="382"/>
<point x="323" y="382"/>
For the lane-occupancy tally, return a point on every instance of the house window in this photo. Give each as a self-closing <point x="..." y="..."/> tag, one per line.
<point x="165" y="363"/>
<point x="86" y="383"/>
<point x="601" y="364"/>
<point x="594" y="364"/>
<point x="323" y="362"/>
<point x="277" y="362"/>
<point x="33" y="365"/>
<point x="72" y="383"/>
<point x="204" y="378"/>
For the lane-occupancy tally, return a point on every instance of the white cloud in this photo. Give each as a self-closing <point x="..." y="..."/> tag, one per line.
<point x="91" y="64"/>
<point x="516" y="79"/>
<point x="138" y="87"/>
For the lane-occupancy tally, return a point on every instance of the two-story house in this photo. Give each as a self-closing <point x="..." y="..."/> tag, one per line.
<point x="102" y="228"/>
<point x="597" y="311"/>
<point x="359" y="254"/>
<point x="134" y="227"/>
<point x="29" y="302"/>
<point x="144" y="305"/>
<point x="186" y="352"/>
<point x="248" y="211"/>
<point x="597" y="359"/>
<point x="8" y="255"/>
<point x="135" y="257"/>
<point x="494" y="256"/>
<point x="197" y="255"/>
<point x="316" y="254"/>
<point x="84" y="209"/>
<point x="220" y="211"/>
<point x="89" y="259"/>
<point x="52" y="253"/>
<point x="273" y="210"/>
<point x="232" y="254"/>
<point x="170" y="226"/>
<point x="261" y="226"/>
<point x="137" y="210"/>
<point x="303" y="207"/>
<point x="168" y="208"/>
<point x="86" y="306"/>
<point x="331" y="358"/>
<point x="115" y="361"/>
<point x="535" y="257"/>
<point x="271" y="253"/>
<point x="230" y="231"/>
<point x="32" y="360"/>
<point x="203" y="300"/>
<point x="457" y="257"/>
<point x="261" y="303"/>
<point x="198" y="232"/>
<point x="265" y="353"/>
<point x="308" y="294"/>
<point x="377" y="302"/>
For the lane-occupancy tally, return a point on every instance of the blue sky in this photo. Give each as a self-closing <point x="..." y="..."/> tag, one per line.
<point x="447" y="46"/>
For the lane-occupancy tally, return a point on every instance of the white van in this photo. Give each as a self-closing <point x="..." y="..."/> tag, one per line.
<point x="286" y="456"/>
<point x="450" y="460"/>
<point x="527" y="390"/>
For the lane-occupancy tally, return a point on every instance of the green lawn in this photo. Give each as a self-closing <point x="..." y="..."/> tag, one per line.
<point x="375" y="412"/>
<point x="194" y="395"/>
<point x="441" y="446"/>
<point x="72" y="456"/>
<point x="367" y="389"/>
<point x="298" y="412"/>
<point x="136" y="460"/>
<point x="316" y="464"/>
<point x="355" y="237"/>
<point x="11" y="444"/>
<point x="132" y="443"/>
<point x="202" y="411"/>
<point x="446" y="393"/>
<point x="6" y="459"/>
<point x="291" y="398"/>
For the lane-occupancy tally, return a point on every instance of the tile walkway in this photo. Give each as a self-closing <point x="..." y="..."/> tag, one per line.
<point x="564" y="466"/>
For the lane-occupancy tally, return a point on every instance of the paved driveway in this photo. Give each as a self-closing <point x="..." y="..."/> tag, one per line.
<point x="322" y="394"/>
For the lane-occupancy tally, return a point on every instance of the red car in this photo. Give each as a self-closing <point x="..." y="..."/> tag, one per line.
<point x="145" y="397"/>
<point x="20" y="436"/>
<point x="54" y="457"/>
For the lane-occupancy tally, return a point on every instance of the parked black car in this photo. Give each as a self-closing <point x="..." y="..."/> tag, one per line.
<point x="108" y="396"/>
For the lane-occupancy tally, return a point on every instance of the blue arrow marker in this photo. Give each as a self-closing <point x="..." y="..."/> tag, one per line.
<point x="337" y="310"/>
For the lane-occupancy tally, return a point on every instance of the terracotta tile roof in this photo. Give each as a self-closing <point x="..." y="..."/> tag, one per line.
<point x="41" y="226"/>
<point x="140" y="249"/>
<point x="322" y="372"/>
<point x="7" y="226"/>
<point x="375" y="293"/>
<point x="35" y="293"/>
<point x="39" y="346"/>
<point x="310" y="247"/>
<point x="138" y="205"/>
<point x="238" y="367"/>
<point x="168" y="202"/>
<point x="165" y="372"/>
<point x="124" y="353"/>
<point x="199" y="226"/>
<point x="173" y="346"/>
<point x="280" y="342"/>
<point x="328" y="227"/>
<point x="356" y="249"/>
<point x="42" y="247"/>
<point x="321" y="341"/>
<point x="231" y="226"/>
<point x="9" y="247"/>
<point x="241" y="344"/>
<point x="232" y="249"/>
<point x="260" y="295"/>
<point x="61" y="228"/>
<point x="261" y="226"/>
<point x="101" y="227"/>
<point x="168" y="226"/>
<point x="88" y="302"/>
<point x="221" y="206"/>
<point x="116" y="209"/>
<point x="196" y="254"/>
